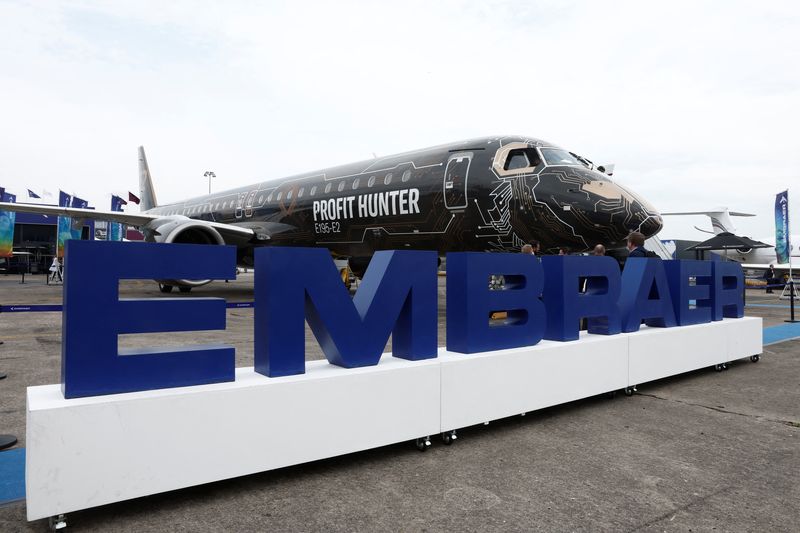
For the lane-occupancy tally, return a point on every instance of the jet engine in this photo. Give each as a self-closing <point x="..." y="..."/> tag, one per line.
<point x="182" y="230"/>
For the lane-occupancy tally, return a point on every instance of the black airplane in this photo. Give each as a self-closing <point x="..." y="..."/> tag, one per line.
<point x="487" y="194"/>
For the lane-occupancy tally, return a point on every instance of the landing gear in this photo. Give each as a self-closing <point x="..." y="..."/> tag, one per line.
<point x="163" y="287"/>
<point x="630" y="390"/>
<point x="184" y="289"/>
<point x="449" y="436"/>
<point x="755" y="358"/>
<point x="720" y="367"/>
<point x="423" y="443"/>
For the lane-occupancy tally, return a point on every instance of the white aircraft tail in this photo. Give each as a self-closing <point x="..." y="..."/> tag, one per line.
<point x="720" y="219"/>
<point x="147" y="194"/>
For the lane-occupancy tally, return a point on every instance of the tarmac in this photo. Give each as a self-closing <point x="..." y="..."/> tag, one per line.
<point x="703" y="451"/>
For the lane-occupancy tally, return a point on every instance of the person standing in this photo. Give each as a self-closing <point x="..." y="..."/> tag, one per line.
<point x="769" y="277"/>
<point x="599" y="250"/>
<point x="635" y="245"/>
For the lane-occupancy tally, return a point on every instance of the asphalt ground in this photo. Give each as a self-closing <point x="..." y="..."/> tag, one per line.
<point x="704" y="451"/>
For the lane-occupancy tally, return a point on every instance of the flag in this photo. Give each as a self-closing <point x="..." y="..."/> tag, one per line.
<point x="80" y="203"/>
<point x="32" y="194"/>
<point x="117" y="203"/>
<point x="133" y="198"/>
<point x="115" y="228"/>
<point x="7" y="219"/>
<point x="782" y="245"/>
<point x="68" y="228"/>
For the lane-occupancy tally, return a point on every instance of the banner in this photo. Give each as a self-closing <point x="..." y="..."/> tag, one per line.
<point x="7" y="219"/>
<point x="115" y="229"/>
<point x="66" y="231"/>
<point x="782" y="245"/>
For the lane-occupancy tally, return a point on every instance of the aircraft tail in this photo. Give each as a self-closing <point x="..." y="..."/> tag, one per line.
<point x="720" y="219"/>
<point x="147" y="194"/>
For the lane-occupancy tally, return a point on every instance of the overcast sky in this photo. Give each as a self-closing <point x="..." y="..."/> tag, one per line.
<point x="697" y="103"/>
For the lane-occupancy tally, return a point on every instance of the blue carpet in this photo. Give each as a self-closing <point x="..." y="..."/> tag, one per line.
<point x="12" y="475"/>
<point x="781" y="333"/>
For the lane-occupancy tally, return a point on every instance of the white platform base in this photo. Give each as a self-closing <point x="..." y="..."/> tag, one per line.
<point x="92" y="451"/>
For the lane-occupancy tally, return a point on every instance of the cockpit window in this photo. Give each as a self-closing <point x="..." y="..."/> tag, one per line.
<point x="521" y="158"/>
<point x="557" y="156"/>
<point x="516" y="159"/>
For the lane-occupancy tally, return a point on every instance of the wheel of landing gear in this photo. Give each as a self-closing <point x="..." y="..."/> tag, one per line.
<point x="755" y="358"/>
<point x="184" y="289"/>
<point x="164" y="288"/>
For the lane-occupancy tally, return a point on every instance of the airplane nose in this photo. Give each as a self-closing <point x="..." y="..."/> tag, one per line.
<point x="651" y="224"/>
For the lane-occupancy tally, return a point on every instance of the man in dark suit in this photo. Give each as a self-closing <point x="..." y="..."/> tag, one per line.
<point x="636" y="245"/>
<point x="769" y="277"/>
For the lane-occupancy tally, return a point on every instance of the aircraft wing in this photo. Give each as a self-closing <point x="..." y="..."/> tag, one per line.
<point x="141" y="220"/>
<point x="132" y="219"/>
<point x="777" y="266"/>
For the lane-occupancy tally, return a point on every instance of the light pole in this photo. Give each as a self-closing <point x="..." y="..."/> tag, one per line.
<point x="208" y="174"/>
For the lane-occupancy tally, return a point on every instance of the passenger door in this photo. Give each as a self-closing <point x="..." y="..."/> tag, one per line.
<point x="456" y="175"/>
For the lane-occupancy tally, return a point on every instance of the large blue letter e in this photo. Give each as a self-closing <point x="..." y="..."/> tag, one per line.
<point x="94" y="316"/>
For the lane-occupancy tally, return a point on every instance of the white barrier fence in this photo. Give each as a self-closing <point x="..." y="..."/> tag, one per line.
<point x="86" y="452"/>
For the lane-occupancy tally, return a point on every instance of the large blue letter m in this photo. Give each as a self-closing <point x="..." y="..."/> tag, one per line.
<point x="397" y="296"/>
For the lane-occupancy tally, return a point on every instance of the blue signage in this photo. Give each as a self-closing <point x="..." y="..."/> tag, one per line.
<point x="782" y="245"/>
<point x="397" y="297"/>
<point x="94" y="316"/>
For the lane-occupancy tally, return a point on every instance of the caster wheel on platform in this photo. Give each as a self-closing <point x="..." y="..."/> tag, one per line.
<point x="423" y="443"/>
<point x="719" y="368"/>
<point x="755" y="358"/>
<point x="448" y="437"/>
<point x="629" y="391"/>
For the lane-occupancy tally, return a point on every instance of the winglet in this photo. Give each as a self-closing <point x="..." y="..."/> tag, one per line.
<point x="146" y="192"/>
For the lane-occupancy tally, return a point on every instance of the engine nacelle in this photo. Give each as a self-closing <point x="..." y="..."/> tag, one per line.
<point x="183" y="230"/>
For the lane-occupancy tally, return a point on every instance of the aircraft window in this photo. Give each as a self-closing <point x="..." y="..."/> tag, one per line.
<point x="278" y="198"/>
<point x="406" y="176"/>
<point x="289" y="195"/>
<point x="557" y="156"/>
<point x="328" y="188"/>
<point x="313" y="190"/>
<point x="516" y="159"/>
<point x="388" y="179"/>
<point x="269" y="198"/>
<point x="341" y="186"/>
<point x="371" y="181"/>
<point x="300" y="192"/>
<point x="216" y="207"/>
<point x="260" y="199"/>
<point x="355" y="183"/>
